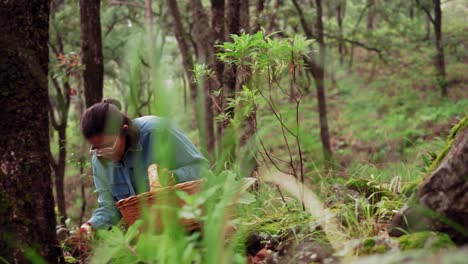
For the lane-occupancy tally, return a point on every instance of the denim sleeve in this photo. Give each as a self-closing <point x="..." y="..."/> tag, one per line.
<point x="186" y="161"/>
<point x="107" y="214"/>
<point x="189" y="172"/>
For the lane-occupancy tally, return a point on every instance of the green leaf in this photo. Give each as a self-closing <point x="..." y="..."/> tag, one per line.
<point x="133" y="230"/>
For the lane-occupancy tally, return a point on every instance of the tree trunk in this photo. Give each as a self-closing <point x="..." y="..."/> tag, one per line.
<point x="340" y="12"/>
<point x="60" y="103"/>
<point x="59" y="173"/>
<point x="411" y="9"/>
<point x="272" y="26"/>
<point x="320" y="83"/>
<point x="244" y="15"/>
<point x="439" y="58"/>
<point x="317" y="70"/>
<point x="370" y="14"/>
<point x="27" y="203"/>
<point x="427" y="26"/>
<point x="204" y="38"/>
<point x="187" y="59"/>
<point x="149" y="16"/>
<point x="217" y="25"/>
<point x="229" y="139"/>
<point x="259" y="7"/>
<point x="91" y="50"/>
<point x="441" y="201"/>
<point x="83" y="191"/>
<point x="233" y="27"/>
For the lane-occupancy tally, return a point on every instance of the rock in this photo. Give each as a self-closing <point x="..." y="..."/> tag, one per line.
<point x="339" y="194"/>
<point x="441" y="202"/>
<point x="255" y="242"/>
<point x="62" y="232"/>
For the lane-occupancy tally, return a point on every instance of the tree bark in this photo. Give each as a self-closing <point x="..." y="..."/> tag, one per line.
<point x="340" y="13"/>
<point x="411" y="9"/>
<point x="149" y="16"/>
<point x="187" y="57"/>
<point x="61" y="101"/>
<point x="91" y="50"/>
<point x="320" y="83"/>
<point x="217" y="25"/>
<point x="27" y="205"/>
<point x="203" y="36"/>
<point x="59" y="173"/>
<point x="233" y="27"/>
<point x="441" y="201"/>
<point x="439" y="58"/>
<point x="259" y="7"/>
<point x="427" y="27"/>
<point x="244" y="16"/>
<point x="317" y="70"/>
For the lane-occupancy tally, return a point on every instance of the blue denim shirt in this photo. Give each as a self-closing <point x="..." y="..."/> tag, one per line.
<point x="159" y="143"/>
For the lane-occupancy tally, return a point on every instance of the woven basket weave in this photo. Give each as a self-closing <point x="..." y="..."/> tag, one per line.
<point x="130" y="207"/>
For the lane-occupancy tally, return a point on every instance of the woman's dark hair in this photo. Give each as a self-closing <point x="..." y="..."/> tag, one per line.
<point x="104" y="118"/>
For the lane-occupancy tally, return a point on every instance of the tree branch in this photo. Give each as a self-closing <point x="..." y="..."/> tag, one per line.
<point x="54" y="122"/>
<point x="428" y="12"/>
<point x="306" y="29"/>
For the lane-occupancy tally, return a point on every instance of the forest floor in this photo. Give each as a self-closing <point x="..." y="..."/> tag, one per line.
<point x="384" y="121"/>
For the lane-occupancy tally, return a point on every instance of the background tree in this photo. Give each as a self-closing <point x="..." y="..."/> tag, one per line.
<point x="439" y="59"/>
<point x="91" y="50"/>
<point x="317" y="70"/>
<point x="66" y="67"/>
<point x="28" y="219"/>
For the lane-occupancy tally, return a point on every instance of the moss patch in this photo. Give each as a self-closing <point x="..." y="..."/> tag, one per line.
<point x="373" y="245"/>
<point x="432" y="241"/>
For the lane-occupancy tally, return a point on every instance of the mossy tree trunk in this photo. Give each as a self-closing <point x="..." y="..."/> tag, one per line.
<point x="26" y="202"/>
<point x="441" y="202"/>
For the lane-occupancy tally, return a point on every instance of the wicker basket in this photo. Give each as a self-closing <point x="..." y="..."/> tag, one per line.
<point x="130" y="207"/>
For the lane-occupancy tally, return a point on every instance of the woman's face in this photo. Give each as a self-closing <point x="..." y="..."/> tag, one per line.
<point x="110" y="147"/>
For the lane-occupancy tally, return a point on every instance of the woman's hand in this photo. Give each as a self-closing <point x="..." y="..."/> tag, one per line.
<point x="86" y="229"/>
<point x="167" y="178"/>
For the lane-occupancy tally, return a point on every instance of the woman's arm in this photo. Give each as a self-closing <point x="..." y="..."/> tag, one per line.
<point x="107" y="214"/>
<point x="189" y="172"/>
